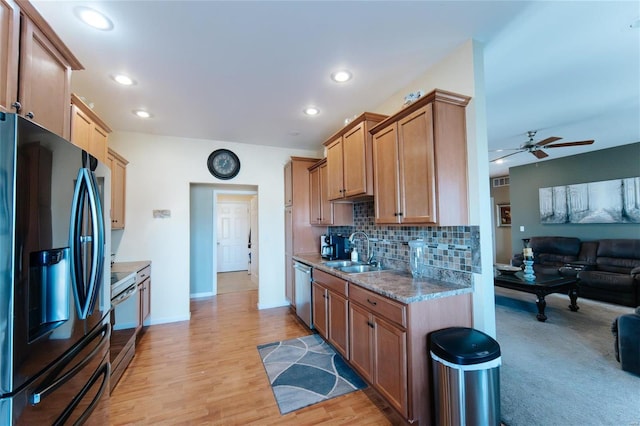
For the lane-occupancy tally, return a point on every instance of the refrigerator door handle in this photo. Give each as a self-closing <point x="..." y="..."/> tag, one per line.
<point x="86" y="291"/>
<point x="102" y="373"/>
<point x="53" y="382"/>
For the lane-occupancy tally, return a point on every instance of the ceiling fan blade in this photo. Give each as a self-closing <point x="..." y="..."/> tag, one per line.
<point x="576" y="143"/>
<point x="547" y="140"/>
<point x="539" y="154"/>
<point x="504" y="156"/>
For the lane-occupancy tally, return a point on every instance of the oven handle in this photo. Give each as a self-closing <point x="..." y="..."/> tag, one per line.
<point x="124" y="295"/>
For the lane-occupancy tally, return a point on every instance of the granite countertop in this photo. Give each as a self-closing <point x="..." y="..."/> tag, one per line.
<point x="397" y="285"/>
<point x="130" y="266"/>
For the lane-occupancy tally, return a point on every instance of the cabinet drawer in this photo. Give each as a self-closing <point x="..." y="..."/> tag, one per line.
<point x="331" y="282"/>
<point x="143" y="274"/>
<point x="379" y="305"/>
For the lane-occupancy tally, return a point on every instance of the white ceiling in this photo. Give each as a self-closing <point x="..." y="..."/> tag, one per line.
<point x="243" y="71"/>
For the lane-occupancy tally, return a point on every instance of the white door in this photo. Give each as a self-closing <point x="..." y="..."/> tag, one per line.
<point x="233" y="235"/>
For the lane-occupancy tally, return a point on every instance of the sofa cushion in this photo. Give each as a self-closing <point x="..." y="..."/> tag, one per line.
<point x="610" y="281"/>
<point x="563" y="246"/>
<point x="618" y="255"/>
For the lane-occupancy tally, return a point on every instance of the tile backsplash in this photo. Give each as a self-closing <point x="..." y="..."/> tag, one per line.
<point x="452" y="252"/>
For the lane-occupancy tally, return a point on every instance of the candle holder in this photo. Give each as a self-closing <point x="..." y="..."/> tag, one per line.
<point x="528" y="270"/>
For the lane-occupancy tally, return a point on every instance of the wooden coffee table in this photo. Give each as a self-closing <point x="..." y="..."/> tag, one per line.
<point x="541" y="286"/>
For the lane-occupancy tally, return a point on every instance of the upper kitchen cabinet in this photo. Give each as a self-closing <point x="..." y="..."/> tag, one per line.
<point x="321" y="210"/>
<point x="88" y="131"/>
<point x="420" y="163"/>
<point x="349" y="159"/>
<point x="118" y="166"/>
<point x="36" y="68"/>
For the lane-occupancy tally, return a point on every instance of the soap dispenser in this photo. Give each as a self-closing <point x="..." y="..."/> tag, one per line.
<point x="354" y="255"/>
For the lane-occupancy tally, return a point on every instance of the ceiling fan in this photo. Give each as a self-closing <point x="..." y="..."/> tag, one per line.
<point x="534" y="147"/>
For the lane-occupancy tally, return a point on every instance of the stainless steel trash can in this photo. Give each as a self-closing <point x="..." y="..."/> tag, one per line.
<point x="466" y="377"/>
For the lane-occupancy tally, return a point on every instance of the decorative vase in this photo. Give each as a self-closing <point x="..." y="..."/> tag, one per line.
<point x="528" y="270"/>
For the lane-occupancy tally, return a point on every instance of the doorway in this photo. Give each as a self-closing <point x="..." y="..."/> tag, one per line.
<point x="204" y="270"/>
<point x="235" y="228"/>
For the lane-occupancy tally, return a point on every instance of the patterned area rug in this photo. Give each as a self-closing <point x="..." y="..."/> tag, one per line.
<point x="305" y="371"/>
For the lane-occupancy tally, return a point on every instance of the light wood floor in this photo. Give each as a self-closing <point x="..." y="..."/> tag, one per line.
<point x="207" y="371"/>
<point x="230" y="282"/>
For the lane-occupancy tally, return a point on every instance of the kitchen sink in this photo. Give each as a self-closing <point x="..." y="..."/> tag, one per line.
<point x="358" y="269"/>
<point x="338" y="263"/>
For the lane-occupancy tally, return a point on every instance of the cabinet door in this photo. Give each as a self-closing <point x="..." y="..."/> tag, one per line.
<point x="9" y="45"/>
<point x="315" y="209"/>
<point x="338" y="310"/>
<point x="417" y="169"/>
<point x="335" y="167"/>
<point x="361" y="341"/>
<point x="319" y="298"/>
<point x="45" y="81"/>
<point x="326" y="206"/>
<point x="355" y="165"/>
<point x="81" y="128"/>
<point x="385" y="166"/>
<point x="118" y="183"/>
<point x="98" y="144"/>
<point x="390" y="360"/>
<point x="288" y="184"/>
<point x="145" y="300"/>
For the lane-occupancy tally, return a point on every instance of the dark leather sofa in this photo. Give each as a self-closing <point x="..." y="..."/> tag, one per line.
<point x="608" y="269"/>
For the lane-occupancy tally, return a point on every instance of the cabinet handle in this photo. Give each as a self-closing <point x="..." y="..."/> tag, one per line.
<point x="370" y="324"/>
<point x="29" y="115"/>
<point x="17" y="105"/>
<point x="372" y="302"/>
<point x="400" y="214"/>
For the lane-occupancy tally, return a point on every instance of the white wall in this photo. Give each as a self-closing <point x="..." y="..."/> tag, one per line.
<point x="463" y="72"/>
<point x="159" y="174"/>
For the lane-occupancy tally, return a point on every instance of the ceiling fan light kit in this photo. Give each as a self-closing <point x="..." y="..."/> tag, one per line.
<point x="535" y="147"/>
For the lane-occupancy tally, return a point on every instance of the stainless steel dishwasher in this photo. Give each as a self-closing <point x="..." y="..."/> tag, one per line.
<point x="302" y="280"/>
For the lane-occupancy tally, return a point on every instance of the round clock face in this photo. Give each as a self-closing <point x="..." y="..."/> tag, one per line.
<point x="223" y="164"/>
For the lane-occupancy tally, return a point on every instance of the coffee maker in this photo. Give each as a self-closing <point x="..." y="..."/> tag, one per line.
<point x="333" y="247"/>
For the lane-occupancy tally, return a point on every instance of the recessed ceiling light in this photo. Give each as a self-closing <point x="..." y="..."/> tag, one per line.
<point x="141" y="113"/>
<point x="311" y="111"/>
<point x="500" y="161"/>
<point x="341" y="76"/>
<point x="123" y="79"/>
<point x="94" y="18"/>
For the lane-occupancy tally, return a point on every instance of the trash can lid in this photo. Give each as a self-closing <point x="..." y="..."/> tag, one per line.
<point x="464" y="346"/>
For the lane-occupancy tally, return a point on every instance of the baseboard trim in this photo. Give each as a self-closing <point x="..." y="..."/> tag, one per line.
<point x="280" y="304"/>
<point x="165" y="320"/>
<point x="201" y="295"/>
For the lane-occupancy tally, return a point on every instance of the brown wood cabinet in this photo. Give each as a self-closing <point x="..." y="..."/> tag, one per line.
<point x="118" y="165"/>
<point x="420" y="163"/>
<point x="88" y="131"/>
<point x="331" y="310"/>
<point x="35" y="68"/>
<point x="300" y="236"/>
<point x="349" y="159"/>
<point x="379" y="344"/>
<point x="321" y="210"/>
<point x="143" y="280"/>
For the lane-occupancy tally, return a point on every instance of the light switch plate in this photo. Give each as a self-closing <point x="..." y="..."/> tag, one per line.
<point x="521" y="228"/>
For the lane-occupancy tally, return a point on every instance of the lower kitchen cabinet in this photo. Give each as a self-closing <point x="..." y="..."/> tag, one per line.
<point x="379" y="351"/>
<point x="330" y="310"/>
<point x="144" y="289"/>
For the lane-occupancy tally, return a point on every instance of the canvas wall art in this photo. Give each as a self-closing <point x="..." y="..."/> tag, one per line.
<point x="608" y="201"/>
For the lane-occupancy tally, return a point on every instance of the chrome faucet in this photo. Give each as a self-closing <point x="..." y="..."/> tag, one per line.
<point x="352" y="237"/>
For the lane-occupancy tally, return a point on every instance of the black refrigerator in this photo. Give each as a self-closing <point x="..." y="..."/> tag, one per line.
<point x="54" y="294"/>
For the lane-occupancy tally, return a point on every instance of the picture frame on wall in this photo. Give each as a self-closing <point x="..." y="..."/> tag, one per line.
<point x="503" y="214"/>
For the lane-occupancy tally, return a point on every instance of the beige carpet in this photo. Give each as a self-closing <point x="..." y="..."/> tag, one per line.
<point x="562" y="371"/>
<point x="230" y="282"/>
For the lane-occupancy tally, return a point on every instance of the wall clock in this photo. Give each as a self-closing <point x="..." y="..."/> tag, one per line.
<point x="223" y="164"/>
